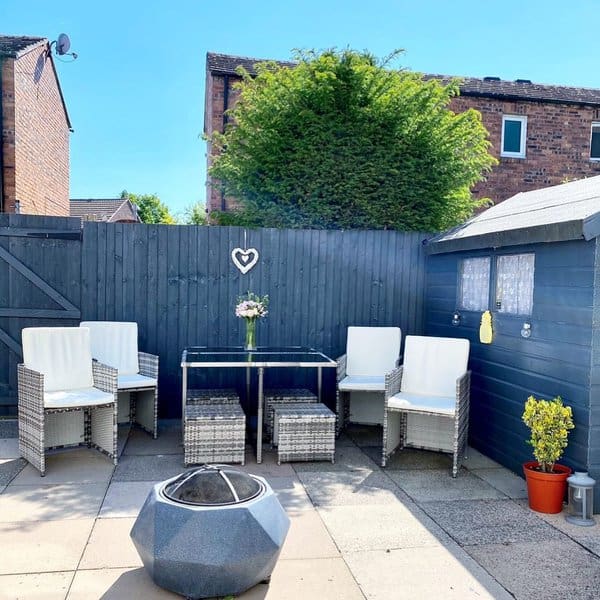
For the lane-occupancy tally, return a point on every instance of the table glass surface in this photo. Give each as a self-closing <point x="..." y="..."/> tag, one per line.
<point x="238" y="355"/>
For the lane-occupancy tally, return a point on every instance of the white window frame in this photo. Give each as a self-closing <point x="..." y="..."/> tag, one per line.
<point x="523" y="144"/>
<point x="595" y="125"/>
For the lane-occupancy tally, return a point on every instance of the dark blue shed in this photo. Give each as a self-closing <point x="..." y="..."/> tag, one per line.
<point x="534" y="262"/>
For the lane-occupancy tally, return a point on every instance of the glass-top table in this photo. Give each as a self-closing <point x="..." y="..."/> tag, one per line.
<point x="260" y="358"/>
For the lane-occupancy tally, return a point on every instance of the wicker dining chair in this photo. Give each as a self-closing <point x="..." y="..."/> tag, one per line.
<point x="116" y="344"/>
<point x="427" y="399"/>
<point x="370" y="353"/>
<point x="65" y="399"/>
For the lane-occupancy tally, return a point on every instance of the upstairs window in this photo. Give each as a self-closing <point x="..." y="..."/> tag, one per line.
<point x="474" y="286"/>
<point x="514" y="136"/>
<point x="595" y="142"/>
<point x="514" y="284"/>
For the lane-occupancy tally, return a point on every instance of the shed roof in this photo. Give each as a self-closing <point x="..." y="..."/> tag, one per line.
<point x="486" y="87"/>
<point x="569" y="211"/>
<point x="105" y="210"/>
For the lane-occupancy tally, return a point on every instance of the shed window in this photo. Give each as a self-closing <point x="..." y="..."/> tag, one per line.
<point x="474" y="283"/>
<point x="514" y="136"/>
<point x="595" y="142"/>
<point x="514" y="284"/>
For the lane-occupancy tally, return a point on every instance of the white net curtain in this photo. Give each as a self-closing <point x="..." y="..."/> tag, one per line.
<point x="475" y="283"/>
<point x="514" y="284"/>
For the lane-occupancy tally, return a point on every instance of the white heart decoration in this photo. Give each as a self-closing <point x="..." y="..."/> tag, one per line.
<point x="244" y="260"/>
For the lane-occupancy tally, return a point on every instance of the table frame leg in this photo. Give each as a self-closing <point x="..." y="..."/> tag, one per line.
<point x="183" y="400"/>
<point x="259" y="424"/>
<point x="319" y="382"/>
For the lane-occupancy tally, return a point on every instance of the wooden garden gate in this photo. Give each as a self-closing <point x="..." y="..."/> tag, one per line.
<point x="40" y="285"/>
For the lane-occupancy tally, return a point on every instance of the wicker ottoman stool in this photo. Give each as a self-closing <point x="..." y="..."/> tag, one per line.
<point x="208" y="396"/>
<point x="281" y="397"/>
<point x="214" y="433"/>
<point x="304" y="432"/>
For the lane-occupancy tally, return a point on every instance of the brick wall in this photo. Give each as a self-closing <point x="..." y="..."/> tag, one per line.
<point x="558" y="142"/>
<point x="36" y="137"/>
<point x="557" y="148"/>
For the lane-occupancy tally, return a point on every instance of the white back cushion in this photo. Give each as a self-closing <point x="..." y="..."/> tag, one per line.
<point x="372" y="350"/>
<point x="62" y="354"/>
<point x="433" y="364"/>
<point x="115" y="344"/>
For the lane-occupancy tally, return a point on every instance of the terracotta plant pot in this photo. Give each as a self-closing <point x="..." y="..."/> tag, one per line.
<point x="546" y="491"/>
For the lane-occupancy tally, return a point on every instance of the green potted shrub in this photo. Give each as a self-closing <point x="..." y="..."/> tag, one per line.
<point x="550" y="422"/>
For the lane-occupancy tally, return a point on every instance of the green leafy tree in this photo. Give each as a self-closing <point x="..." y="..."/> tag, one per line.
<point x="150" y="208"/>
<point x="343" y="141"/>
<point x="195" y="214"/>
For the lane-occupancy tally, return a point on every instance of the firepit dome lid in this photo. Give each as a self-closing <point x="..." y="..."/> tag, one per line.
<point x="213" y="485"/>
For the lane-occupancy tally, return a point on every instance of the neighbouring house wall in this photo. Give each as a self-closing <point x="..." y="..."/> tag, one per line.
<point x="216" y="120"/>
<point x="40" y="138"/>
<point x="7" y="120"/>
<point x="557" y="148"/>
<point x="554" y="361"/>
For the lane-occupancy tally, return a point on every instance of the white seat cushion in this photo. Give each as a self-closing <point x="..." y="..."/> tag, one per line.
<point x="115" y="344"/>
<point x="433" y="364"/>
<point x="422" y="402"/>
<point x="127" y="382"/>
<point x="72" y="398"/>
<point x="364" y="383"/>
<point x="61" y="354"/>
<point x="372" y="350"/>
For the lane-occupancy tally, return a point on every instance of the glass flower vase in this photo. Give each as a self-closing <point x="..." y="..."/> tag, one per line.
<point x="250" y="334"/>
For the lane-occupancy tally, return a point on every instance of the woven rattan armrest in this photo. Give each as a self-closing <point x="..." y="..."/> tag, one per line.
<point x="148" y="365"/>
<point x="393" y="381"/>
<point x="105" y="377"/>
<point x="31" y="385"/>
<point x="341" y="367"/>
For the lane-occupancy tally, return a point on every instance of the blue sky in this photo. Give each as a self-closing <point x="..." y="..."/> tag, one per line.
<point x="136" y="93"/>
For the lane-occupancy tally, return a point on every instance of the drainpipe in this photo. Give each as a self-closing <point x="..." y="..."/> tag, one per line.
<point x="225" y="119"/>
<point x="1" y="141"/>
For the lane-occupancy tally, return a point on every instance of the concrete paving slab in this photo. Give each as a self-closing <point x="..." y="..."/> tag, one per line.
<point x="291" y="493"/>
<point x="317" y="578"/>
<point x="36" y="586"/>
<point x="426" y="486"/>
<point x="381" y="527"/>
<point x="412" y="459"/>
<point x="43" y="546"/>
<point x="503" y="480"/>
<point x="268" y="467"/>
<point x="365" y="435"/>
<point x="142" y="443"/>
<point x="122" y="437"/>
<point x="51" y="502"/>
<point x="148" y="468"/>
<point x="9" y="448"/>
<point x="549" y="569"/>
<point x="589" y="537"/>
<point x="308" y="538"/>
<point x="344" y="440"/>
<point x="351" y="489"/>
<point x="347" y="458"/>
<point x="117" y="584"/>
<point x="489" y="522"/>
<point x="444" y="572"/>
<point x="2" y="488"/>
<point x="82" y="465"/>
<point x="476" y="460"/>
<point x="10" y="468"/>
<point x="110" y="546"/>
<point x="125" y="498"/>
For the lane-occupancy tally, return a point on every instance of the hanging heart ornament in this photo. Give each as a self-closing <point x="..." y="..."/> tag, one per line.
<point x="244" y="260"/>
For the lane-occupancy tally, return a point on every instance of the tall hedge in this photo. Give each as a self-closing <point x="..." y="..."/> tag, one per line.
<point x="344" y="141"/>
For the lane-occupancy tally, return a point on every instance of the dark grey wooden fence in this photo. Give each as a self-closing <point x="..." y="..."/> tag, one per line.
<point x="180" y="285"/>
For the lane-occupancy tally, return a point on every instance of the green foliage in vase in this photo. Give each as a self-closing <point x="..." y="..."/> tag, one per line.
<point x="343" y="141"/>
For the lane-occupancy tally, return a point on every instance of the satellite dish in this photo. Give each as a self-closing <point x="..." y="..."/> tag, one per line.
<point x="63" y="43"/>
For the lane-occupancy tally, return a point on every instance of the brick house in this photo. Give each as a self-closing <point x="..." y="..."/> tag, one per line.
<point x="34" y="154"/>
<point x="542" y="135"/>
<point x="118" y="210"/>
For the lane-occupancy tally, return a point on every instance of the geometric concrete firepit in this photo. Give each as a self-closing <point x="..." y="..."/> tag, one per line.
<point x="211" y="531"/>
